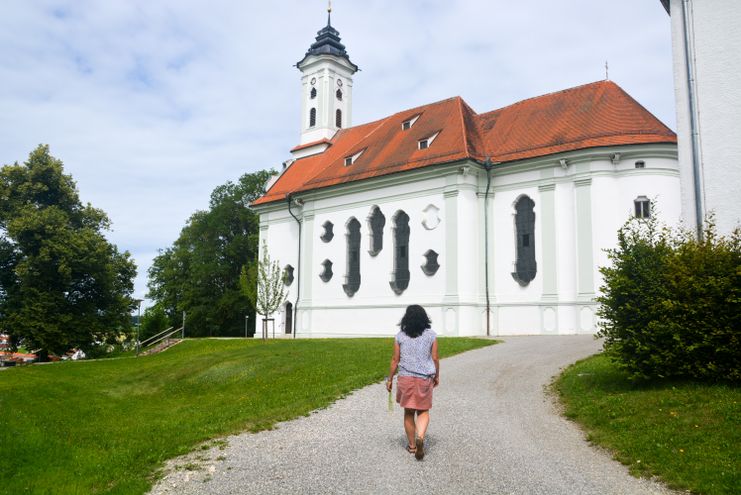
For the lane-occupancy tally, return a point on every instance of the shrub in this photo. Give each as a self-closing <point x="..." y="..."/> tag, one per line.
<point x="670" y="304"/>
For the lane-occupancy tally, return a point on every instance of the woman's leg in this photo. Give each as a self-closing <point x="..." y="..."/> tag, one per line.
<point x="423" y="419"/>
<point x="409" y="427"/>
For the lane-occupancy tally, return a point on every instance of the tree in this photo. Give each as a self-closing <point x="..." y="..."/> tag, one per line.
<point x="265" y="285"/>
<point x="199" y="273"/>
<point x="62" y="284"/>
<point x="153" y="321"/>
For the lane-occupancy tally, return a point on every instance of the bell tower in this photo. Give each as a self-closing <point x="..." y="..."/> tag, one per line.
<point x="326" y="88"/>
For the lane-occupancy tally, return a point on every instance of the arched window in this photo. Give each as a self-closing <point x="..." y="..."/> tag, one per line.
<point x="289" y="318"/>
<point x="352" y="275"/>
<point x="313" y="93"/>
<point x="431" y="265"/>
<point x="338" y="119"/>
<point x="400" y="275"/>
<point x="326" y="274"/>
<point x="288" y="275"/>
<point x="328" y="233"/>
<point x="642" y="207"/>
<point x="376" y="222"/>
<point x="339" y="94"/>
<point x="525" y="266"/>
<point x="312" y="117"/>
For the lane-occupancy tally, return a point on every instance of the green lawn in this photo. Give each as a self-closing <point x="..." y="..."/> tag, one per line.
<point x="105" y="426"/>
<point x="687" y="433"/>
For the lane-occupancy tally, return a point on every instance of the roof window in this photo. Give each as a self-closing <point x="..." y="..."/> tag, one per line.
<point x="349" y="160"/>
<point x="640" y="164"/>
<point x="425" y="143"/>
<point x="407" y="124"/>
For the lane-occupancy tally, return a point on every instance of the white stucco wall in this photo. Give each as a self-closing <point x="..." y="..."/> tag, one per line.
<point x="578" y="212"/>
<point x="715" y="47"/>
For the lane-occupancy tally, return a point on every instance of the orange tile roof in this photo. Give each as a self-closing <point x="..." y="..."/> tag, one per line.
<point x="596" y="114"/>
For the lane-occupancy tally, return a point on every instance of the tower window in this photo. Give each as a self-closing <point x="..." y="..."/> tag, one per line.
<point x="525" y="265"/>
<point x="313" y="93"/>
<point x="642" y="207"/>
<point x="338" y="119"/>
<point x="312" y="117"/>
<point x="339" y="94"/>
<point x="640" y="164"/>
<point x="400" y="274"/>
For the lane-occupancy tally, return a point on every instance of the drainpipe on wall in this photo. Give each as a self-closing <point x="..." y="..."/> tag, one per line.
<point x="298" y="267"/>
<point x="694" y="136"/>
<point x="488" y="165"/>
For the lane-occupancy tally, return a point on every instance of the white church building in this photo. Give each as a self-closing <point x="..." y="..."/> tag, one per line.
<point x="495" y="222"/>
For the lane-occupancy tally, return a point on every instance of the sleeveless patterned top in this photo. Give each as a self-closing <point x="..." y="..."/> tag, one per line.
<point x="416" y="354"/>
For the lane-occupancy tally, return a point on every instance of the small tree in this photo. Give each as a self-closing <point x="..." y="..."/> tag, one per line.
<point x="265" y="285"/>
<point x="671" y="303"/>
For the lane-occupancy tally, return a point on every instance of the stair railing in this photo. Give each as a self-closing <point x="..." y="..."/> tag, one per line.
<point x="156" y="339"/>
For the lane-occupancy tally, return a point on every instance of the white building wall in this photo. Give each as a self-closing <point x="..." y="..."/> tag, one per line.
<point x="578" y="211"/>
<point x="715" y="48"/>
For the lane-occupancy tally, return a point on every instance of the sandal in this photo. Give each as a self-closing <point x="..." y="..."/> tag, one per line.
<point x="411" y="450"/>
<point x="419" y="451"/>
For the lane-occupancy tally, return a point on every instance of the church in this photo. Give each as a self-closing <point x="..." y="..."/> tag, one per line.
<point x="495" y="222"/>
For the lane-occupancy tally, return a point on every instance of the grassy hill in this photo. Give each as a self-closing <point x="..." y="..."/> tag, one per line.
<point x="106" y="426"/>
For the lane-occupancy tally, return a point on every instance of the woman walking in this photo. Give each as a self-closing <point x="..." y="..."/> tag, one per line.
<point x="415" y="357"/>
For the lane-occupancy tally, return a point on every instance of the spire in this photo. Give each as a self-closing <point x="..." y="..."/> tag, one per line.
<point x="328" y="42"/>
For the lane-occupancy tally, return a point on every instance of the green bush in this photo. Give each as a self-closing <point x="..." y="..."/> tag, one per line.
<point x="671" y="303"/>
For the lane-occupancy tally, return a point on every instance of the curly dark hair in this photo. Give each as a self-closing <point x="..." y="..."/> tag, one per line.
<point x="415" y="321"/>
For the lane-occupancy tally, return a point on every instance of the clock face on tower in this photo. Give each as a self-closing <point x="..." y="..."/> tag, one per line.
<point x="313" y="81"/>
<point x="339" y="82"/>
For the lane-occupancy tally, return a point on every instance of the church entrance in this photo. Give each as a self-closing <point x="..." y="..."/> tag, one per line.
<point x="289" y="318"/>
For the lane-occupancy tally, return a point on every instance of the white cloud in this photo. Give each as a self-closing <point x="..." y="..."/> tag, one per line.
<point x="153" y="104"/>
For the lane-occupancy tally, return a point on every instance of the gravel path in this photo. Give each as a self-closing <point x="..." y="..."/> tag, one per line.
<point x="492" y="430"/>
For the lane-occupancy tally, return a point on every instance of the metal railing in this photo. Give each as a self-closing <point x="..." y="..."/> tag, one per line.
<point x="156" y="339"/>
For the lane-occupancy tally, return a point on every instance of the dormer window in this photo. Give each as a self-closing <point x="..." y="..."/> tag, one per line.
<point x="407" y="124"/>
<point x="349" y="160"/>
<point x="640" y="164"/>
<point x="425" y="143"/>
<point x="312" y="94"/>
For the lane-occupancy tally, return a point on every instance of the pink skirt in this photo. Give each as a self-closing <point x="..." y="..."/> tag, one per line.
<point x="414" y="393"/>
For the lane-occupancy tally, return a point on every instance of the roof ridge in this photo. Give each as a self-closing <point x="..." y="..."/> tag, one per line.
<point x="459" y="100"/>
<point x="552" y="93"/>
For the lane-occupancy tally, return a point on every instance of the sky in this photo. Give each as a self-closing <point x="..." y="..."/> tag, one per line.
<point x="152" y="104"/>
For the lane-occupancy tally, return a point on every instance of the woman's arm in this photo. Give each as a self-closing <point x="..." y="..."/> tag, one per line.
<point x="394" y="365"/>
<point x="436" y="360"/>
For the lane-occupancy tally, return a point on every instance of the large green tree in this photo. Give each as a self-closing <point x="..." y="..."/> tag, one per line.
<point x="62" y="284"/>
<point x="199" y="273"/>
